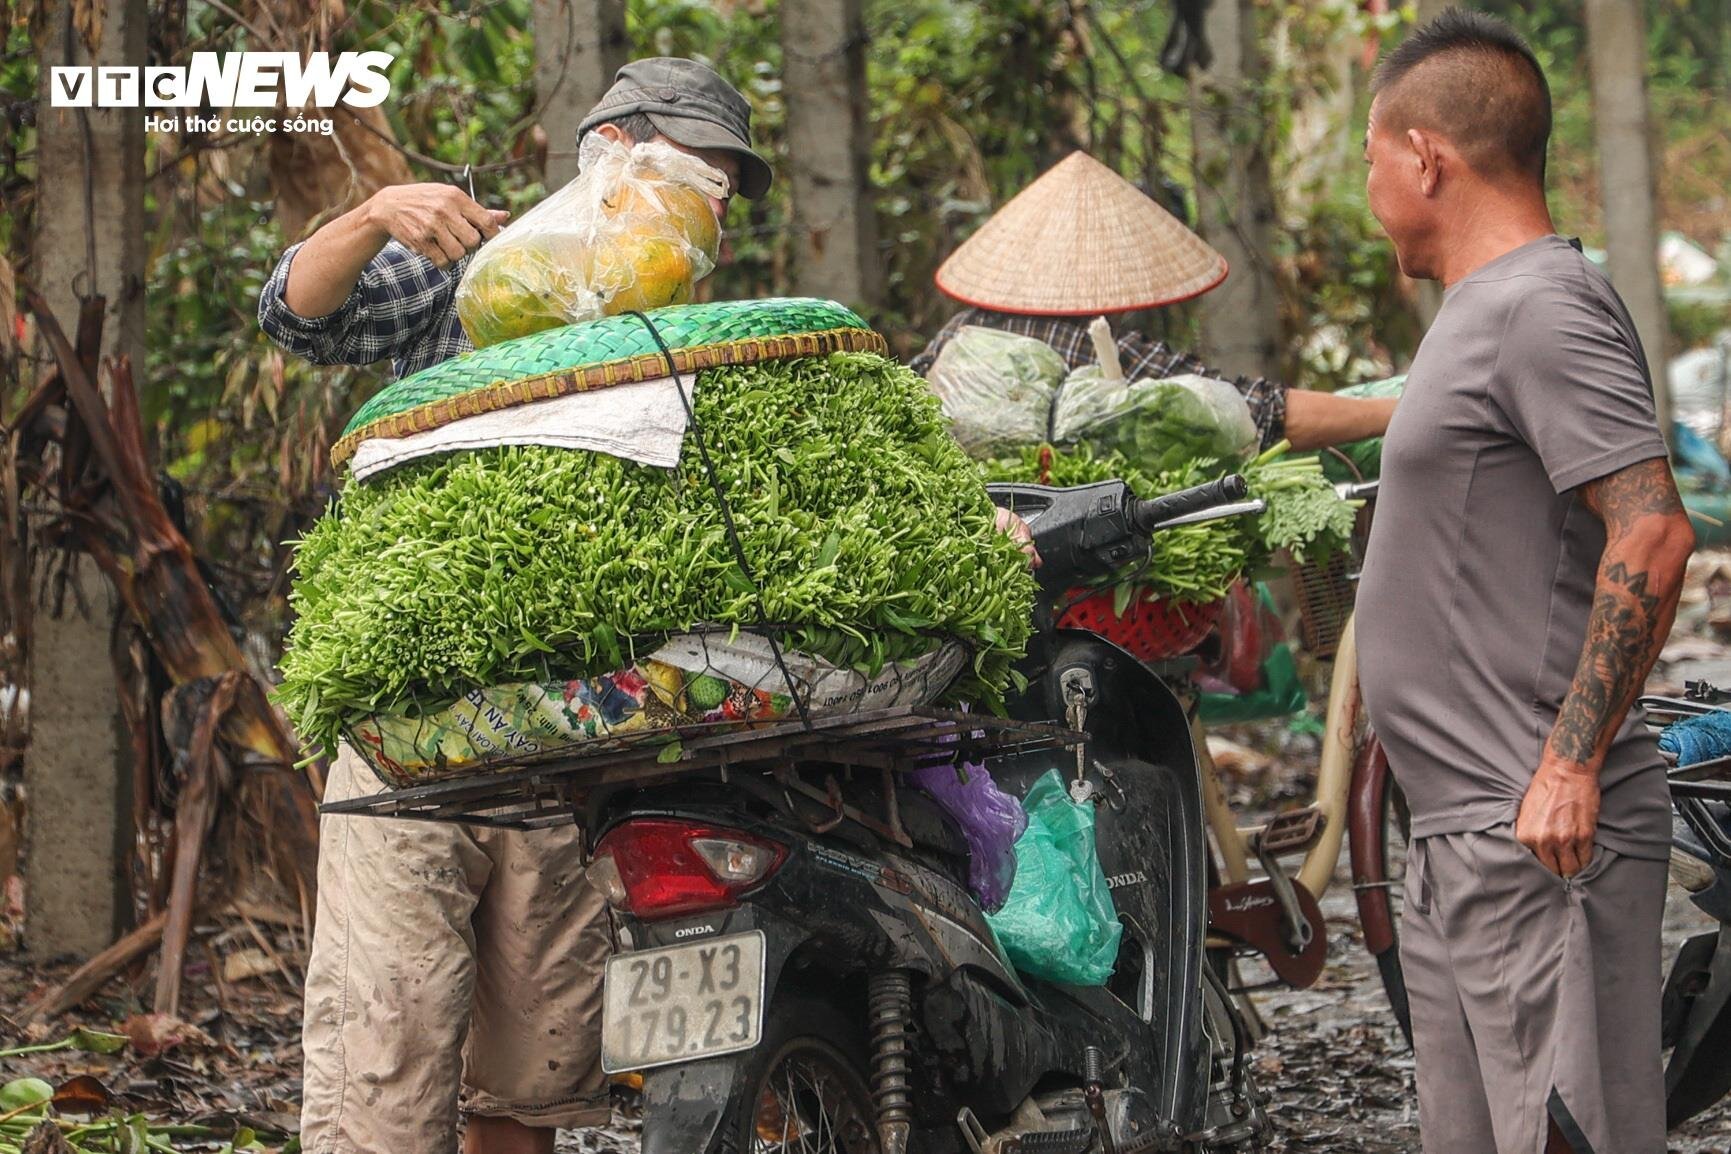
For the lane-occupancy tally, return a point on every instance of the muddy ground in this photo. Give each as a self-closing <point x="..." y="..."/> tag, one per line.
<point x="1332" y="1060"/>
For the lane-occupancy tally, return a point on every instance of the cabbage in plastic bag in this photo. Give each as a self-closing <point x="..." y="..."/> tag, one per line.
<point x="1059" y="922"/>
<point x="634" y="230"/>
<point x="990" y="819"/>
<point x="996" y="388"/>
<point x="1160" y="424"/>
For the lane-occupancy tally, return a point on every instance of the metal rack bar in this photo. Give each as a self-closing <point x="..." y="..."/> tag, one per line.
<point x="539" y="790"/>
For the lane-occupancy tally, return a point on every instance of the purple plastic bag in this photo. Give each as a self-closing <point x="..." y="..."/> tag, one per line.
<point x="991" y="821"/>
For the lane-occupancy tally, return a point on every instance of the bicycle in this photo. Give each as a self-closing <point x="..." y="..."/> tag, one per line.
<point x="1278" y="915"/>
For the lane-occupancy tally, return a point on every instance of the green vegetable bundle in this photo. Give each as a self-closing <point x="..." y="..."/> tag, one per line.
<point x="1366" y="455"/>
<point x="1157" y="424"/>
<point x="865" y="527"/>
<point x="1199" y="563"/>
<point x="27" y="1109"/>
<point x="1192" y="563"/>
<point x="1305" y="516"/>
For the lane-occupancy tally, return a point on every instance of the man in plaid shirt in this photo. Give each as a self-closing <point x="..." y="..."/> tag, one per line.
<point x="452" y="963"/>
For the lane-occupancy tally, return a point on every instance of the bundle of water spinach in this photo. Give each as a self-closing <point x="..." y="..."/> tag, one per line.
<point x="868" y="535"/>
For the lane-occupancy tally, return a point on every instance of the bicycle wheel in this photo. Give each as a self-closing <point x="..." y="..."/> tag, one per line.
<point x="1380" y="827"/>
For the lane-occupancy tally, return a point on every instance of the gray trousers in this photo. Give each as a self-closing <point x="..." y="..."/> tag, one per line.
<point x="1533" y="997"/>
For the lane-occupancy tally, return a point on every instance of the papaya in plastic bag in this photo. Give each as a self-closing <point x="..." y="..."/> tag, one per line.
<point x="1059" y="922"/>
<point x="633" y="231"/>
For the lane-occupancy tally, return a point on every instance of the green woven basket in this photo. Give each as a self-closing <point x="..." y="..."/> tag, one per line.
<point x="600" y="353"/>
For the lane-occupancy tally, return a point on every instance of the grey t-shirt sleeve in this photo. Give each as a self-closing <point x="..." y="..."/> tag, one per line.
<point x="1573" y="384"/>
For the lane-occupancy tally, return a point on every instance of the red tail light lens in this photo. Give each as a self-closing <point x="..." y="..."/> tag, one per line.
<point x="659" y="867"/>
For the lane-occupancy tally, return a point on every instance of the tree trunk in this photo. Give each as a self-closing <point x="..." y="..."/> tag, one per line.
<point x="1617" y="58"/>
<point x="579" y="45"/>
<point x="1235" y="201"/>
<point x="829" y="146"/>
<point x="90" y="240"/>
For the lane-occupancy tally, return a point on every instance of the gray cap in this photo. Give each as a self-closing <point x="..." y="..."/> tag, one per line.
<point x="691" y="105"/>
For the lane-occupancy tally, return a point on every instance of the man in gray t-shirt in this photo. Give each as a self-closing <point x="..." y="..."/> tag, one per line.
<point x="1479" y="582"/>
<point x="1522" y="574"/>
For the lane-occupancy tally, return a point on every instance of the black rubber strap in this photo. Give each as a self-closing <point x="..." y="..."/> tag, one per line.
<point x="762" y="623"/>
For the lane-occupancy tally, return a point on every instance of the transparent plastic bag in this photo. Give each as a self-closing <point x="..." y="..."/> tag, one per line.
<point x="634" y="230"/>
<point x="1059" y="922"/>
<point x="996" y="388"/>
<point x="991" y="821"/>
<point x="1157" y="424"/>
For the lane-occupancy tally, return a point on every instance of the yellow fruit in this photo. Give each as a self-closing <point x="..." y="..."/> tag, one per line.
<point x="640" y="274"/>
<point x="664" y="202"/>
<point x="517" y="291"/>
<point x="643" y="257"/>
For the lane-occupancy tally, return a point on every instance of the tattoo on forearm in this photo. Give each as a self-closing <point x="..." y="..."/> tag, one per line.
<point x="1623" y="641"/>
<point x="1631" y="614"/>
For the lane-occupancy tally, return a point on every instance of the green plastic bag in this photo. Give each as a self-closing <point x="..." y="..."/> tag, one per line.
<point x="1365" y="454"/>
<point x="1280" y="695"/>
<point x="1059" y="922"/>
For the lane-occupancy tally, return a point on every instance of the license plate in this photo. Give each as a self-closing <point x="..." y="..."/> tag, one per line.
<point x="682" y="1003"/>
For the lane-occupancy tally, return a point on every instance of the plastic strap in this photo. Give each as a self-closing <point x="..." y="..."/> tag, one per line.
<point x="727" y="519"/>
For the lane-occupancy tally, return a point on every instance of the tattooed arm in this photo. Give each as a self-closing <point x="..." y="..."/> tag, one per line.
<point x="1648" y="540"/>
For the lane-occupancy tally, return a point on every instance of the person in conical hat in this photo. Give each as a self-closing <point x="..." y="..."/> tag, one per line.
<point x="1082" y="242"/>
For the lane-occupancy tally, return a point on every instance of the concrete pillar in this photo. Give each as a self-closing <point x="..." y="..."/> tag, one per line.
<point x="1617" y="60"/>
<point x="90" y="220"/>
<point x="835" y="253"/>
<point x="579" y="45"/>
<point x="1234" y="197"/>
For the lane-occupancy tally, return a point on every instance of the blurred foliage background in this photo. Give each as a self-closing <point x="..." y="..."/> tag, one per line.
<point x="970" y="99"/>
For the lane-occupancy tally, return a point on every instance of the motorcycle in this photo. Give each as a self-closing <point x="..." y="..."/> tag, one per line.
<point x="1696" y="1009"/>
<point x="802" y="965"/>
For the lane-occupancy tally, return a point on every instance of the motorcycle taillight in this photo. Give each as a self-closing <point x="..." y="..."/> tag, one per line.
<point x="659" y="867"/>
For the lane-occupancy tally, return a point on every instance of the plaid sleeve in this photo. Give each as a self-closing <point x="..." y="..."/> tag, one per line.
<point x="923" y="360"/>
<point x="1152" y="360"/>
<point x="399" y="296"/>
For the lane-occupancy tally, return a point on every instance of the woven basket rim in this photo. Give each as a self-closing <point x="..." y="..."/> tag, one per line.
<point x="505" y="394"/>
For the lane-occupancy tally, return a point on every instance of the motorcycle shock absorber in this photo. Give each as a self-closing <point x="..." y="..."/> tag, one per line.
<point x="1094" y="1094"/>
<point x="890" y="1009"/>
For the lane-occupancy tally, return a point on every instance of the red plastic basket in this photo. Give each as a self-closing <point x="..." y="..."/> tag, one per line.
<point x="1151" y="628"/>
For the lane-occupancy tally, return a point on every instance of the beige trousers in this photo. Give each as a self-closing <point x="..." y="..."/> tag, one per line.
<point x="448" y="959"/>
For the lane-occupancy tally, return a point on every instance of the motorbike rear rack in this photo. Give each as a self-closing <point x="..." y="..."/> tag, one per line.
<point x="541" y="790"/>
<point x="1703" y="781"/>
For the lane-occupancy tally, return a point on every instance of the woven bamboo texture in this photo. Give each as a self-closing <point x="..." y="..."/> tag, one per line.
<point x="600" y="353"/>
<point x="1080" y="240"/>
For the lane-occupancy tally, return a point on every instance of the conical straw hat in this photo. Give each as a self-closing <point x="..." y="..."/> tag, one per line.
<point x="1080" y="240"/>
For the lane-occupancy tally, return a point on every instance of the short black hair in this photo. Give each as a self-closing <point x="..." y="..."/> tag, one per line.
<point x="1479" y="84"/>
<point x="636" y="125"/>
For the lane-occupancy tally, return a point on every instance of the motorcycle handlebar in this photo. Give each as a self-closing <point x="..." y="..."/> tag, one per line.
<point x="1147" y="515"/>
